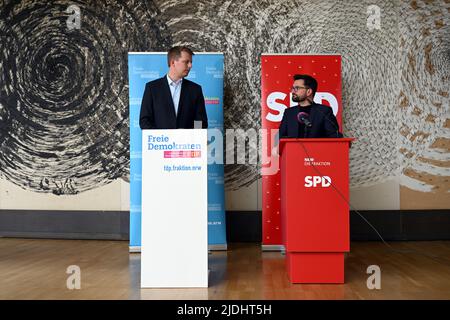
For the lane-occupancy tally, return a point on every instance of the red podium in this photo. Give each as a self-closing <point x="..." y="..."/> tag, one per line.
<point x="314" y="207"/>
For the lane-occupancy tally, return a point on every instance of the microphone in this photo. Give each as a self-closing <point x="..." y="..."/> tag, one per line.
<point x="303" y="118"/>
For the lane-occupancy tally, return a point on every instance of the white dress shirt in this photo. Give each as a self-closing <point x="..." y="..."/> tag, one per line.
<point x="175" y="90"/>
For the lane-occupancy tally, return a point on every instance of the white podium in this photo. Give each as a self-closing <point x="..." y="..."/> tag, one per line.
<point x="174" y="250"/>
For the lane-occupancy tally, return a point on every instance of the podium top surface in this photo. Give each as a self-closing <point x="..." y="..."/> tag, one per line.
<point x="316" y="140"/>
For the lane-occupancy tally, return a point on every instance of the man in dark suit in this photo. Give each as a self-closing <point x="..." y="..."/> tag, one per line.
<point x="308" y="119"/>
<point x="173" y="102"/>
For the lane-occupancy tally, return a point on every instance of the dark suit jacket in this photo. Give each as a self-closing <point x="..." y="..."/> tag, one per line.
<point x="324" y="123"/>
<point x="158" y="111"/>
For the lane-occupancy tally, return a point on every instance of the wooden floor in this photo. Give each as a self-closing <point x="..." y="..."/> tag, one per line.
<point x="36" y="269"/>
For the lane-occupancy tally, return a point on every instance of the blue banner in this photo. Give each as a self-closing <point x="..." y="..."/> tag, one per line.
<point x="207" y="71"/>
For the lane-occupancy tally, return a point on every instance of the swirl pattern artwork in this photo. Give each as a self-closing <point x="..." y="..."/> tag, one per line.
<point x="64" y="95"/>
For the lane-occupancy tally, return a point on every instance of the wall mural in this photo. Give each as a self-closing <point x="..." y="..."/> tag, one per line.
<point x="64" y="95"/>
<point x="424" y="126"/>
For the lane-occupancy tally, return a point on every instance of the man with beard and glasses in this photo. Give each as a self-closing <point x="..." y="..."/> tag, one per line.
<point x="308" y="119"/>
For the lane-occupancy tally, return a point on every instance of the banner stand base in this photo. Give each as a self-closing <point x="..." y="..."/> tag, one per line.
<point x="212" y="247"/>
<point x="134" y="249"/>
<point x="218" y="247"/>
<point x="273" y="247"/>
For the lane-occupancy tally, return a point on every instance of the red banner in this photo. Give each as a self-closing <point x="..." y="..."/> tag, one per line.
<point x="277" y="73"/>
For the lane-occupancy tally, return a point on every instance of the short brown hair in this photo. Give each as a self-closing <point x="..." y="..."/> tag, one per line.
<point x="174" y="53"/>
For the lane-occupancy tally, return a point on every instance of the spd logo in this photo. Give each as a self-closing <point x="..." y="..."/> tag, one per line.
<point x="317" y="181"/>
